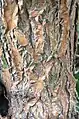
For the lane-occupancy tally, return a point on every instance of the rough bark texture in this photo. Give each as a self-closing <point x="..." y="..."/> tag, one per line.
<point x="38" y="39"/>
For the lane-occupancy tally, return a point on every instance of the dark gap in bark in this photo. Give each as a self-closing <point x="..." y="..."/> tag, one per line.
<point x="70" y="50"/>
<point x="60" y="30"/>
<point x="31" y="34"/>
<point x="72" y="3"/>
<point x="75" y="38"/>
<point x="75" y="22"/>
<point x="16" y="1"/>
<point x="1" y="7"/>
<point x="4" y="101"/>
<point x="68" y="94"/>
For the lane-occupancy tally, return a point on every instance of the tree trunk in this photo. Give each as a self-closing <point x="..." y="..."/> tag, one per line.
<point x="38" y="40"/>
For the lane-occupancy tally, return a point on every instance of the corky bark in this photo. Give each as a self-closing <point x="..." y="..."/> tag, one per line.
<point x="39" y="53"/>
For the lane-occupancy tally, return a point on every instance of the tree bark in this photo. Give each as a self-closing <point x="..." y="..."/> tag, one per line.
<point x="38" y="39"/>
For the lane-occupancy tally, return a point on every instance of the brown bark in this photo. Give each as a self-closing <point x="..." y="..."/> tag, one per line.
<point x="45" y="89"/>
